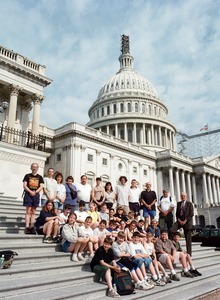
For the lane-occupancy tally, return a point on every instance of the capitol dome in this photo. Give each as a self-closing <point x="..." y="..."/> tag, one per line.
<point x="129" y="108"/>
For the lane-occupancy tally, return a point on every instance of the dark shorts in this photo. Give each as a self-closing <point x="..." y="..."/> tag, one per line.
<point x="65" y="246"/>
<point x="147" y="213"/>
<point x="100" y="271"/>
<point x="123" y="262"/>
<point x="109" y="205"/>
<point x="32" y="201"/>
<point x="135" y="207"/>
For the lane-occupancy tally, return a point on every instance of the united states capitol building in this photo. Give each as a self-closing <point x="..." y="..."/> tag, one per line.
<point x="128" y="133"/>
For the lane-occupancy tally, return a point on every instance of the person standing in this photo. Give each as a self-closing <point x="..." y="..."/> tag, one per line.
<point x="98" y="193"/>
<point x="32" y="184"/>
<point x="148" y="200"/>
<point x="184" y="215"/>
<point x="71" y="193"/>
<point x="84" y="191"/>
<point x="165" y="206"/>
<point x="50" y="187"/>
<point x="134" y="198"/>
<point x="122" y="192"/>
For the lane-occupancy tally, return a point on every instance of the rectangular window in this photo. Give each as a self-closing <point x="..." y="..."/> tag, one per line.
<point x="135" y="170"/>
<point x="105" y="161"/>
<point x="58" y="157"/>
<point x="103" y="112"/>
<point x="90" y="157"/>
<point x="145" y="172"/>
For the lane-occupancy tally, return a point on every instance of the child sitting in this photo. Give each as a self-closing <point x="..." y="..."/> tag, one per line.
<point x="103" y="263"/>
<point x="86" y="231"/>
<point x="101" y="232"/>
<point x="113" y="232"/>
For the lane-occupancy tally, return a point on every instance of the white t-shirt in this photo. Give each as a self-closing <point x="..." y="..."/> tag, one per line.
<point x="63" y="218"/>
<point x="149" y="247"/>
<point x="61" y="191"/>
<point x="50" y="185"/>
<point x="123" y="193"/>
<point x="83" y="192"/>
<point x="98" y="232"/>
<point x="134" y="195"/>
<point x="81" y="215"/>
<point x="136" y="249"/>
<point x="85" y="232"/>
<point x="165" y="203"/>
<point x="104" y="216"/>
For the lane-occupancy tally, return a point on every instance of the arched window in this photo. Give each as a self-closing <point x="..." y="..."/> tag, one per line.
<point x="115" y="108"/>
<point x="136" y="107"/>
<point x="97" y="113"/>
<point x="129" y="107"/>
<point x="143" y="108"/>
<point x="155" y="110"/>
<point x="108" y="110"/>
<point x="149" y="109"/>
<point x="122" y="107"/>
<point x="103" y="112"/>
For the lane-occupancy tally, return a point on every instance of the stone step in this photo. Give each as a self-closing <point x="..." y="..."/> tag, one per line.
<point x="11" y="224"/>
<point x="12" y="198"/>
<point x="72" y="288"/>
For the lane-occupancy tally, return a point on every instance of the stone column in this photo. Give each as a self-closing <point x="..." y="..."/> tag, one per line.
<point x="149" y="140"/>
<point x="116" y="130"/>
<point x="107" y="129"/>
<point x="170" y="138"/>
<point x="214" y="190"/>
<point x="15" y="89"/>
<point x="177" y="185"/>
<point x="160" y="139"/>
<point x="171" y="181"/>
<point x="189" y="191"/>
<point x="125" y="132"/>
<point x="165" y="139"/>
<point x="134" y="133"/>
<point x="152" y="135"/>
<point x="210" y="189"/>
<point x="159" y="182"/>
<point x="218" y="190"/>
<point x="194" y="189"/>
<point x="144" y="134"/>
<point x="183" y="181"/>
<point x="205" y="190"/>
<point x="37" y="99"/>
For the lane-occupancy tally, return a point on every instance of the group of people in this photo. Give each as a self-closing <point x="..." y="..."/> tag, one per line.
<point x="116" y="227"/>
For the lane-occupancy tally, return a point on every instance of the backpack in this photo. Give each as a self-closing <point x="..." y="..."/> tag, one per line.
<point x="123" y="283"/>
<point x="8" y="256"/>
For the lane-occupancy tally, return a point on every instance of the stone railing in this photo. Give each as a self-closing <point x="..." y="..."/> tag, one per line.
<point x="21" y="60"/>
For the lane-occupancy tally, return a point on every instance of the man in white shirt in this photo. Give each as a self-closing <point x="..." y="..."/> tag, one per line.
<point x="84" y="191"/>
<point x="122" y="192"/>
<point x="166" y="206"/>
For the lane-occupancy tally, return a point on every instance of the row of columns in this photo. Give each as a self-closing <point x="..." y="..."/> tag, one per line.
<point x="186" y="182"/>
<point x="13" y="102"/>
<point x="211" y="190"/>
<point x="151" y="135"/>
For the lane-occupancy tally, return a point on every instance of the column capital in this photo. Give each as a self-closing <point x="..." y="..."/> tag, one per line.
<point x="14" y="89"/>
<point x="37" y="99"/>
<point x="27" y="106"/>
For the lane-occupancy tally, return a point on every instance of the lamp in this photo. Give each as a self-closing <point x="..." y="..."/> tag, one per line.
<point x="3" y="106"/>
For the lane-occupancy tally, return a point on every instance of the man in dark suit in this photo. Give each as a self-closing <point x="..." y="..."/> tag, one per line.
<point x="184" y="215"/>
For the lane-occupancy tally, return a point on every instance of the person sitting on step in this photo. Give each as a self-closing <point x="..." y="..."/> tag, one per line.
<point x="167" y="254"/>
<point x="71" y="241"/>
<point x="103" y="263"/>
<point x="176" y="243"/>
<point x="48" y="223"/>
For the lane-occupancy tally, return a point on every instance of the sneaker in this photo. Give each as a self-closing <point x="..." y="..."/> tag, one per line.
<point x="195" y="272"/>
<point x="160" y="282"/>
<point x="56" y="239"/>
<point x="174" y="277"/>
<point x="186" y="274"/>
<point x="167" y="279"/>
<point x="80" y="257"/>
<point x="74" y="257"/>
<point x="27" y="230"/>
<point x="141" y="286"/>
<point x="32" y="230"/>
<point x="148" y="285"/>
<point x="113" y="294"/>
<point x="48" y="240"/>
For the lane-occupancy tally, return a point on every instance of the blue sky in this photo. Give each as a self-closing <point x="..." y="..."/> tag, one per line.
<point x="175" y="45"/>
